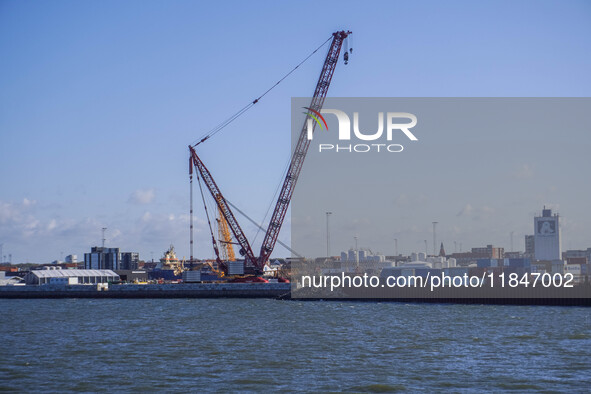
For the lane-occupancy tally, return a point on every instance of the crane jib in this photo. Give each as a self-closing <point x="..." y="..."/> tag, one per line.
<point x="224" y="207"/>
<point x="301" y="149"/>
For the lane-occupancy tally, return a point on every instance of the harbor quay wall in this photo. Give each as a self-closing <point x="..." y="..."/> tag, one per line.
<point x="182" y="290"/>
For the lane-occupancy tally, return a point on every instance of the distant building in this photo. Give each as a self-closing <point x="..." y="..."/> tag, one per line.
<point x="577" y="256"/>
<point x="487" y="252"/>
<point x="361" y="255"/>
<point x="352" y="255"/>
<point x="130" y="261"/>
<point x="547" y="236"/>
<point x="529" y="246"/>
<point x="490" y="251"/>
<point x="71" y="258"/>
<point x="515" y="255"/>
<point x="101" y="258"/>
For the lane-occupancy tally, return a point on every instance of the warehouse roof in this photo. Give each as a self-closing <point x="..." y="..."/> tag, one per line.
<point x="71" y="273"/>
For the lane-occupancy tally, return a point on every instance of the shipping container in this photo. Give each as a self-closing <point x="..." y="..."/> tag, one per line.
<point x="484" y="263"/>
<point x="521" y="262"/>
<point x="191" y="276"/>
<point x="456" y="271"/>
<point x="517" y="270"/>
<point x="235" y="268"/>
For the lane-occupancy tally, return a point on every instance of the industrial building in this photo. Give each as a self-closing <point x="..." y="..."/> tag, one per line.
<point x="55" y="275"/>
<point x="133" y="275"/>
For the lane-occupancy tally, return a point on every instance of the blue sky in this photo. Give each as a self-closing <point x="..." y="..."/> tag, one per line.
<point x="99" y="100"/>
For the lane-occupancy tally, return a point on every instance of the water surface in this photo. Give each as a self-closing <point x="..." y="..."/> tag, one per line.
<point x="235" y="344"/>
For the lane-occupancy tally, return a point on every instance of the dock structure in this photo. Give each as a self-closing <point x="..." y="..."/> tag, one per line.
<point x="185" y="290"/>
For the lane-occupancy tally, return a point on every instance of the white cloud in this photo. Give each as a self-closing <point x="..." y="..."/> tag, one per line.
<point x="466" y="210"/>
<point x="52" y="224"/>
<point x="141" y="196"/>
<point x="524" y="171"/>
<point x="476" y="213"/>
<point x="487" y="209"/>
<point x="27" y="202"/>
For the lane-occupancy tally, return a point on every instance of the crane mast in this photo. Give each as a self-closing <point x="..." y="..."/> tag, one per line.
<point x="225" y="237"/>
<point x="299" y="154"/>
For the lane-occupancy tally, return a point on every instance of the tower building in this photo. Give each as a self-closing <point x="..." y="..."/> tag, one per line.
<point x="547" y="236"/>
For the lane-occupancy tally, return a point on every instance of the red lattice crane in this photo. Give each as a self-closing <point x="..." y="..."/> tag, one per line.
<point x="251" y="262"/>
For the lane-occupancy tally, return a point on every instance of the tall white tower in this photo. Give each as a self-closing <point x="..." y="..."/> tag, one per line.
<point x="547" y="236"/>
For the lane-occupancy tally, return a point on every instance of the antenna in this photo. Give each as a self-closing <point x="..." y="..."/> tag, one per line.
<point x="104" y="229"/>
<point x="435" y="239"/>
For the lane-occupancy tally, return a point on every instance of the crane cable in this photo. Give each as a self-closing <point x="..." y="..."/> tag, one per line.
<point x="232" y="118"/>
<point x="263" y="229"/>
<point x="281" y="181"/>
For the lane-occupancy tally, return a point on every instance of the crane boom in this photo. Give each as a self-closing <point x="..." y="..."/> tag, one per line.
<point x="299" y="154"/>
<point x="245" y="249"/>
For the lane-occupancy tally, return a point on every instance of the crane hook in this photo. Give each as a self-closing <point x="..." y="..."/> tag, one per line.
<point x="346" y="57"/>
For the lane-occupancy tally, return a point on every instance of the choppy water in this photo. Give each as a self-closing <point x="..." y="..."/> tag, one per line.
<point x="256" y="345"/>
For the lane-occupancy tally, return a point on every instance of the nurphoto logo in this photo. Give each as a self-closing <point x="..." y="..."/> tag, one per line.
<point x="395" y="122"/>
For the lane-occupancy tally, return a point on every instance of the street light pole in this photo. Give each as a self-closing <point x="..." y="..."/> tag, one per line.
<point x="104" y="229"/>
<point x="327" y="235"/>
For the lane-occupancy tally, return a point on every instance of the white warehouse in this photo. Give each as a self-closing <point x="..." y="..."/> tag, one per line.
<point x="51" y="275"/>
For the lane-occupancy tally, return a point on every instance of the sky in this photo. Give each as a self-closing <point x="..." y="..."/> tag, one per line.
<point x="99" y="101"/>
<point x="480" y="167"/>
